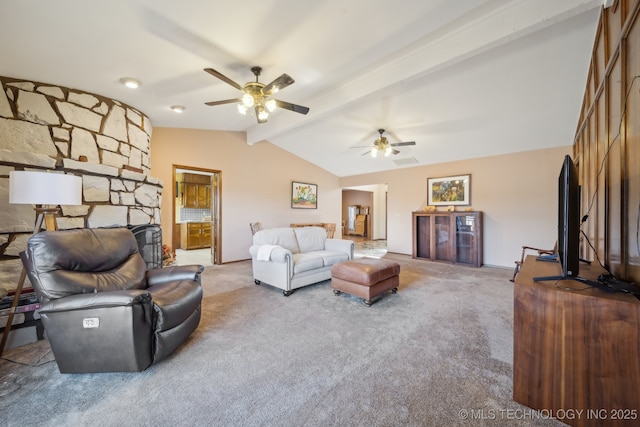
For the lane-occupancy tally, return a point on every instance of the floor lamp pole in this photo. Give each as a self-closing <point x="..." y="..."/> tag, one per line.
<point x="48" y="217"/>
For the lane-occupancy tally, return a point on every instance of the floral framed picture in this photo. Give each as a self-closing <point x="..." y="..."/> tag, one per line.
<point x="303" y="195"/>
<point x="450" y="190"/>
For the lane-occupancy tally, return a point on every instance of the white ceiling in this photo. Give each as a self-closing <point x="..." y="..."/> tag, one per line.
<point x="462" y="78"/>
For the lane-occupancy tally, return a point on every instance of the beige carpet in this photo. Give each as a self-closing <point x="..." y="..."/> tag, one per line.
<point x="430" y="355"/>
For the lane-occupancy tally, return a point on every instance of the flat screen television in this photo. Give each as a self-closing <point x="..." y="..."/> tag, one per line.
<point x="569" y="218"/>
<point x="568" y="222"/>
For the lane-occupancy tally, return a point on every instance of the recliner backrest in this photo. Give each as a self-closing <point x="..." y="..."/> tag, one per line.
<point x="68" y="262"/>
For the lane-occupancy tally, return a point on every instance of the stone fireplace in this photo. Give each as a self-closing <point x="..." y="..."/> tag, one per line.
<point x="149" y="238"/>
<point x="106" y="142"/>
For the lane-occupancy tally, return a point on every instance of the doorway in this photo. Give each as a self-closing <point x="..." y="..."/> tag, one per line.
<point x="369" y="203"/>
<point x="196" y="215"/>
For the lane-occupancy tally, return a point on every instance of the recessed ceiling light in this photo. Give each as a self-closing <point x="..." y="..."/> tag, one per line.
<point x="130" y="82"/>
<point x="177" y="108"/>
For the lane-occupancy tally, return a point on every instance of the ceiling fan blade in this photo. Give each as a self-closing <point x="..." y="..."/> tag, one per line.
<point x="394" y="152"/>
<point x="293" y="107"/>
<point x="399" y="144"/>
<point x="278" y="84"/>
<point x="224" y="101"/>
<point x="223" y="78"/>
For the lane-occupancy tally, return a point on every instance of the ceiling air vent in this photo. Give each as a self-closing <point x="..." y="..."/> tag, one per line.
<point x="406" y="161"/>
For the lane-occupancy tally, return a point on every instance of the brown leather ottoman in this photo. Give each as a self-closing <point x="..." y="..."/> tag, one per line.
<point x="366" y="278"/>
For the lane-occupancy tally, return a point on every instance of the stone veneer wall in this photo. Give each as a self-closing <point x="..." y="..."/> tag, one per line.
<point x="53" y="128"/>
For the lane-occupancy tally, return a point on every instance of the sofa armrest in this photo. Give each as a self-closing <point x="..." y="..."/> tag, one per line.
<point x="342" y="245"/>
<point x="156" y="276"/>
<point x="93" y="300"/>
<point x="278" y="253"/>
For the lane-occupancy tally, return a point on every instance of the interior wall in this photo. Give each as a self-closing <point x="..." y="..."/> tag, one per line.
<point x="255" y="179"/>
<point x="607" y="145"/>
<point x="516" y="192"/>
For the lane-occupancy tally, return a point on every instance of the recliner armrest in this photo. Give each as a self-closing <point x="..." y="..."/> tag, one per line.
<point x="93" y="300"/>
<point x="156" y="276"/>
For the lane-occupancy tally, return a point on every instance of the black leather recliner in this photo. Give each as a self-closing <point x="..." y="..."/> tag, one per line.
<point x="102" y="310"/>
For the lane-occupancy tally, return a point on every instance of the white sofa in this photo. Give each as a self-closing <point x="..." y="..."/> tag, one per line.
<point x="290" y="258"/>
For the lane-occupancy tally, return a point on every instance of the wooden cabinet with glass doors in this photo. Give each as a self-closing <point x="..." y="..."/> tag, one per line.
<point x="454" y="237"/>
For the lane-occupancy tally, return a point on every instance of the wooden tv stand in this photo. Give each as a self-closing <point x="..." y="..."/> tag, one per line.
<point x="575" y="348"/>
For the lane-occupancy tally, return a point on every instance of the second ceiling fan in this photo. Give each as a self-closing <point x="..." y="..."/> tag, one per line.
<point x="382" y="146"/>
<point x="256" y="95"/>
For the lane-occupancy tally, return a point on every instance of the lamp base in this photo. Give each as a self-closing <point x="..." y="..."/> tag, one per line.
<point x="48" y="217"/>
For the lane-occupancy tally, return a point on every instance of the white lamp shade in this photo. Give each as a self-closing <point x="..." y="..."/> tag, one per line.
<point x="44" y="188"/>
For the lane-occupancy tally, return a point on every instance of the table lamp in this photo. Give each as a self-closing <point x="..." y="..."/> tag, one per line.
<point x="47" y="191"/>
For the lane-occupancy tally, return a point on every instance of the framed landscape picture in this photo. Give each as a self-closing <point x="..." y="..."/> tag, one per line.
<point x="303" y="195"/>
<point x="450" y="190"/>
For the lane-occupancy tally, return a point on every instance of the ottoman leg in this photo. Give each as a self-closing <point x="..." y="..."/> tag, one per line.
<point x="394" y="290"/>
<point x="368" y="302"/>
<point x="336" y="292"/>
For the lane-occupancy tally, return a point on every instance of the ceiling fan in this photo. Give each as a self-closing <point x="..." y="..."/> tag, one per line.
<point x="256" y="95"/>
<point x="383" y="146"/>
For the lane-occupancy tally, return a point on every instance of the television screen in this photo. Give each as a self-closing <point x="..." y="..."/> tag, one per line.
<point x="569" y="218"/>
<point x="569" y="221"/>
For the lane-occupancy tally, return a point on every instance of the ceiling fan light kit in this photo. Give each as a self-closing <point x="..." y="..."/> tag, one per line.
<point x="256" y="95"/>
<point x="382" y="145"/>
<point x="386" y="151"/>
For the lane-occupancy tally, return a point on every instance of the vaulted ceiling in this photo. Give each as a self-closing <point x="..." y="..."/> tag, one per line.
<point x="463" y="79"/>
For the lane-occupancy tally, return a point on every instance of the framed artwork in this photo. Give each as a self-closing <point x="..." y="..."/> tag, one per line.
<point x="303" y="195"/>
<point x="449" y="191"/>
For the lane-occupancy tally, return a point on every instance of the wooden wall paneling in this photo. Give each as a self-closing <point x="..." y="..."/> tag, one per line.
<point x="613" y="26"/>
<point x="607" y="143"/>
<point x="622" y="137"/>
<point x="600" y="53"/>
<point x="599" y="207"/>
<point x="613" y="171"/>
<point x="631" y="45"/>
<point x="591" y="187"/>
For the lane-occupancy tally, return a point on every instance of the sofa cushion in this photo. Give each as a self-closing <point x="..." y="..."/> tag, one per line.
<point x="310" y="238"/>
<point x="306" y="261"/>
<point x="332" y="257"/>
<point x="281" y="236"/>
